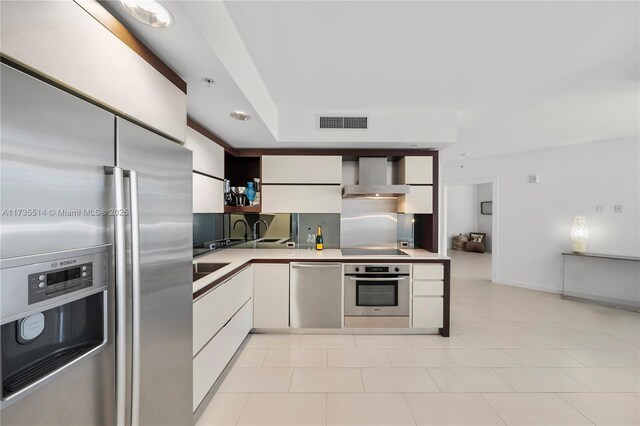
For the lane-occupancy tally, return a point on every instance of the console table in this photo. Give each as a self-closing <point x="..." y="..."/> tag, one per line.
<point x="607" y="280"/>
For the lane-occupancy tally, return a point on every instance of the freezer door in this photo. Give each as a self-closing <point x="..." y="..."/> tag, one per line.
<point x="163" y="170"/>
<point x="54" y="147"/>
<point x="316" y="295"/>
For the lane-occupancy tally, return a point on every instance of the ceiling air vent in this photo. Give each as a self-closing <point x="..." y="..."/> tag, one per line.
<point x="342" y="122"/>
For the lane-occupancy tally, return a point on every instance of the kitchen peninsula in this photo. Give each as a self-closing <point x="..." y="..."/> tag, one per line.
<point x="250" y="290"/>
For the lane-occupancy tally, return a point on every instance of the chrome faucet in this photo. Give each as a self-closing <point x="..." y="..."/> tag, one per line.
<point x="246" y="232"/>
<point x="255" y="228"/>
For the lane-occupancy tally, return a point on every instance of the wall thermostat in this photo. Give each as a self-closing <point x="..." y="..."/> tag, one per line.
<point x="534" y="178"/>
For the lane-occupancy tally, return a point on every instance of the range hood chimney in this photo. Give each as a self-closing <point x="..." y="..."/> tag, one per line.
<point x="372" y="180"/>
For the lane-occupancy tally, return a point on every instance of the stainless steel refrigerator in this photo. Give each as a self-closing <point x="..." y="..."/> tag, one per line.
<point x="95" y="264"/>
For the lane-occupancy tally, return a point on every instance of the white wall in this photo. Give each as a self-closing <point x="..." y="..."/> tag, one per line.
<point x="462" y="210"/>
<point x="534" y="219"/>
<point x="484" y="193"/>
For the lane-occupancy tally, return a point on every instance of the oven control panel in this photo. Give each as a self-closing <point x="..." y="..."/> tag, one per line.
<point x="402" y="269"/>
<point x="44" y="285"/>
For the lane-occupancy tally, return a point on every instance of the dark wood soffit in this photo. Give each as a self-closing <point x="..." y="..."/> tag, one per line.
<point x="100" y="14"/>
<point x="210" y="135"/>
<point x="347" y="152"/>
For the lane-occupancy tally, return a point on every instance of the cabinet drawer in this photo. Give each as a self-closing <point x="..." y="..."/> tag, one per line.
<point x="427" y="312"/>
<point x="215" y="308"/>
<point x="301" y="169"/>
<point x="215" y="356"/>
<point x="428" y="288"/>
<point x="301" y="199"/>
<point x="428" y="271"/>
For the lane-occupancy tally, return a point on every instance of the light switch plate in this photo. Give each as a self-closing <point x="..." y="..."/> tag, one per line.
<point x="599" y="208"/>
<point x="617" y="208"/>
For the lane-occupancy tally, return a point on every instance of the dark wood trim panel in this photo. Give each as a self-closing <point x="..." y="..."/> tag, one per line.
<point x="394" y="153"/>
<point x="208" y="175"/>
<point x="301" y="184"/>
<point x="446" y="300"/>
<point x="242" y="209"/>
<point x="107" y="20"/>
<point x="210" y="135"/>
<point x="432" y="238"/>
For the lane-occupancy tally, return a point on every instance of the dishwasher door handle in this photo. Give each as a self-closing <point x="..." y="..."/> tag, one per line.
<point x="315" y="265"/>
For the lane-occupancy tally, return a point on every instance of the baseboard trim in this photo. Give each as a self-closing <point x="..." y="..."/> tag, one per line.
<point x="528" y="286"/>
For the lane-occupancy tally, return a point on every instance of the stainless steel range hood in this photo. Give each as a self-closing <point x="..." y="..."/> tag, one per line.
<point x="372" y="180"/>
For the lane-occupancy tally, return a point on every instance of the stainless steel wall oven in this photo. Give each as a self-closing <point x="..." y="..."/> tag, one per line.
<point x="376" y="290"/>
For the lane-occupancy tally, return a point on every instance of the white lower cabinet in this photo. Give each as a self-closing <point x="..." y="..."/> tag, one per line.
<point x="213" y="310"/>
<point x="427" y="312"/>
<point x="301" y="199"/>
<point x="216" y="354"/>
<point x="222" y="319"/>
<point x="427" y="290"/>
<point x="271" y="295"/>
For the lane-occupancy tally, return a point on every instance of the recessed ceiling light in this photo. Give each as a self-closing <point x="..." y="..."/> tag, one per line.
<point x="239" y="115"/>
<point x="208" y="81"/>
<point x="148" y="12"/>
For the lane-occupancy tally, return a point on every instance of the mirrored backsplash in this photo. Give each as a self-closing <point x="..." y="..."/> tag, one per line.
<point x="207" y="227"/>
<point x="307" y="223"/>
<point x="278" y="225"/>
<point x="363" y="223"/>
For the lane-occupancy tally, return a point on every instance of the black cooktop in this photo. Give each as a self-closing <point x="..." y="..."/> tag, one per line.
<point x="372" y="252"/>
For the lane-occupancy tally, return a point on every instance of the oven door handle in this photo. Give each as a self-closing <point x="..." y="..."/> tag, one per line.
<point x="378" y="279"/>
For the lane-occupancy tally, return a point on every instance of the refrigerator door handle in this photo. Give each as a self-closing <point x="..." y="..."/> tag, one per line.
<point x="121" y="294"/>
<point x="136" y="295"/>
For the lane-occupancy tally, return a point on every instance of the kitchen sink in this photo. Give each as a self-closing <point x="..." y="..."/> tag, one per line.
<point x="201" y="270"/>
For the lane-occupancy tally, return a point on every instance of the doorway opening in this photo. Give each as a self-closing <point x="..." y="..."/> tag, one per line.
<point x="470" y="227"/>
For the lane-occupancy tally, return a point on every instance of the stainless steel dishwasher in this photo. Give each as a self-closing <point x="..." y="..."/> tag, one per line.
<point x="316" y="295"/>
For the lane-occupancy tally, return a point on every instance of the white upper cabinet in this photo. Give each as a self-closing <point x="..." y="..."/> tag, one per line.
<point x="62" y="41"/>
<point x="302" y="169"/>
<point x="301" y="199"/>
<point x="208" y="194"/>
<point x="208" y="156"/>
<point x="418" y="200"/>
<point x="415" y="170"/>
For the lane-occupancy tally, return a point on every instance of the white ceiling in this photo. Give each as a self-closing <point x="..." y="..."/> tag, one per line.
<point x="518" y="75"/>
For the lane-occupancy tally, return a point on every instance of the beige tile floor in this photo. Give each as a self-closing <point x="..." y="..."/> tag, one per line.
<point x="516" y="357"/>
